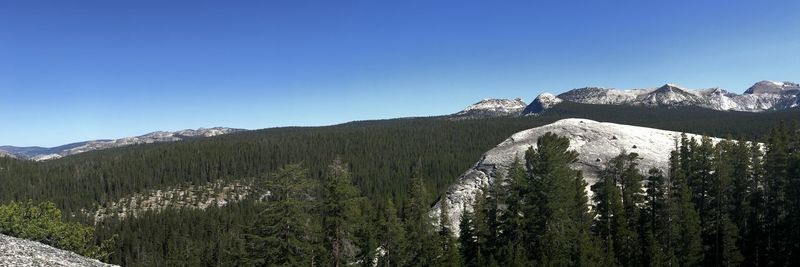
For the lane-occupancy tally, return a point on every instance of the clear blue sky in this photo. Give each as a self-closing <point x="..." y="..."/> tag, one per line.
<point x="78" y="70"/>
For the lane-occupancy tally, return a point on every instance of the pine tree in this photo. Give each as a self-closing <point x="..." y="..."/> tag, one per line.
<point x="510" y="190"/>
<point x="339" y="204"/>
<point x="775" y="191"/>
<point x="422" y="249"/>
<point x="284" y="232"/>
<point x="685" y="234"/>
<point x="700" y="177"/>
<point x="392" y="238"/>
<point x="550" y="210"/>
<point x="755" y="253"/>
<point x="656" y="222"/>
<point x="793" y="193"/>
<point x="721" y="233"/>
<point x="450" y="254"/>
<point x="618" y="194"/>
<point x="608" y="206"/>
<point x="742" y="192"/>
<point x="366" y="240"/>
<point x="467" y="239"/>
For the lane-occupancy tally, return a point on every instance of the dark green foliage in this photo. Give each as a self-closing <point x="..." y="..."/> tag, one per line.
<point x="468" y="239"/>
<point x="656" y="221"/>
<point x="449" y="248"/>
<point x="339" y="205"/>
<point x="184" y="237"/>
<point x="392" y="237"/>
<point x="722" y="235"/>
<point x="618" y="195"/>
<point x="43" y="222"/>
<point x="685" y="238"/>
<point x="420" y="234"/>
<point x="554" y="217"/>
<point x="510" y="188"/>
<point x="285" y="233"/>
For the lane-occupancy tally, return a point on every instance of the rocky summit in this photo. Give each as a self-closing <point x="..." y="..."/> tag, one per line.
<point x="492" y="108"/>
<point x="596" y="142"/>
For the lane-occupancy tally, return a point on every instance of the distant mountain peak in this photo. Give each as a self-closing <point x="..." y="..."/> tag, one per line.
<point x="492" y="107"/>
<point x="542" y="102"/>
<point x="670" y="87"/>
<point x="772" y="87"/>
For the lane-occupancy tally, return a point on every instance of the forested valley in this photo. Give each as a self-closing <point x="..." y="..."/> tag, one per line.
<point x="359" y="193"/>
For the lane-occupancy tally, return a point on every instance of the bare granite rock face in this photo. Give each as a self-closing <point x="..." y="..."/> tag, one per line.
<point x="596" y="143"/>
<point x="21" y="252"/>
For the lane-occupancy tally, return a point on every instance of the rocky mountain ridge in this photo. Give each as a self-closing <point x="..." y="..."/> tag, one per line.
<point x="762" y="96"/>
<point x="44" y="153"/>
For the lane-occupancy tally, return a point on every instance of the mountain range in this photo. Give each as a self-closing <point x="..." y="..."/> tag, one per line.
<point x="762" y="96"/>
<point x="45" y="153"/>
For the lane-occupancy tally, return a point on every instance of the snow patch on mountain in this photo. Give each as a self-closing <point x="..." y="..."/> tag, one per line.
<point x="596" y="142"/>
<point x="764" y="95"/>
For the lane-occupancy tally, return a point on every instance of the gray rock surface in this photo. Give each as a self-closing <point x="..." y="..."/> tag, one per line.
<point x="596" y="142"/>
<point x="20" y="252"/>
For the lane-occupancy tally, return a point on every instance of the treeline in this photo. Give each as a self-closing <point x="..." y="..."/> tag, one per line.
<point x="381" y="154"/>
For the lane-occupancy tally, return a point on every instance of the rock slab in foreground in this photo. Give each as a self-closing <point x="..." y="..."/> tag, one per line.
<point x="21" y="252"/>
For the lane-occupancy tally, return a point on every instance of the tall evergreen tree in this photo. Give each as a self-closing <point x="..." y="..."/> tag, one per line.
<point x="392" y="238"/>
<point x="656" y="223"/>
<point x="793" y="193"/>
<point x="467" y="238"/>
<point x="339" y="204"/>
<point x="755" y="252"/>
<point x="551" y="210"/>
<point x="618" y="195"/>
<point x="775" y="192"/>
<point x="422" y="249"/>
<point x="742" y="191"/>
<point x="510" y="191"/>
<point x="721" y="234"/>
<point x="284" y="232"/>
<point x="685" y="233"/>
<point x="449" y="248"/>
